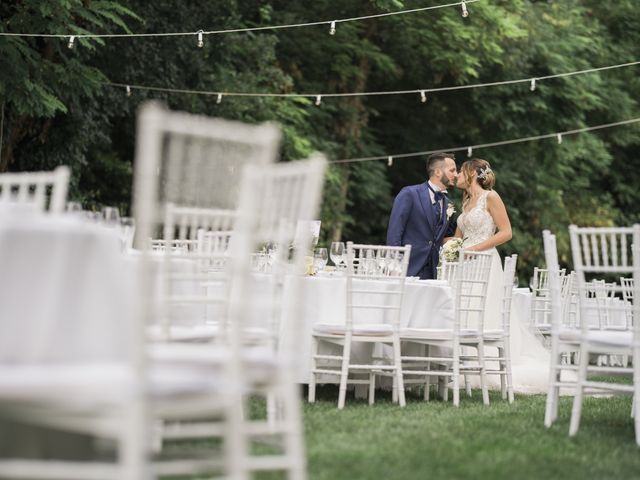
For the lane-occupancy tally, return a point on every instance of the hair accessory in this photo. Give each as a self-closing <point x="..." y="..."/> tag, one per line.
<point x="484" y="172"/>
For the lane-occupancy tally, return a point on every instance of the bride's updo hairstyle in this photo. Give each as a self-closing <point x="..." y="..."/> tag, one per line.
<point x="486" y="177"/>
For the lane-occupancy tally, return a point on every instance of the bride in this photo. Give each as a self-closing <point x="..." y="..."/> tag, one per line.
<point x="483" y="225"/>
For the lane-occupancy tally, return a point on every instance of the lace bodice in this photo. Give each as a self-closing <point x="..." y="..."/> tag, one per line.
<point x="477" y="225"/>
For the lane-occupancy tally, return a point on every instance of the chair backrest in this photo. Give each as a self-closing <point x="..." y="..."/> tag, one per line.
<point x="447" y="271"/>
<point x="47" y="191"/>
<point x="540" y="306"/>
<point x="470" y="289"/>
<point x="509" y="274"/>
<point x="273" y="199"/>
<point x="192" y="161"/>
<point x="601" y="252"/>
<point x="554" y="281"/>
<point x="376" y="276"/>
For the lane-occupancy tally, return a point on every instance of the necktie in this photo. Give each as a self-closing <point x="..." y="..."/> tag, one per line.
<point x="439" y="198"/>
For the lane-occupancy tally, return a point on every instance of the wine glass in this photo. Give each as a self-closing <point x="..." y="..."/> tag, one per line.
<point x="110" y="216"/>
<point x="320" y="258"/>
<point x="337" y="253"/>
<point x="74" y="207"/>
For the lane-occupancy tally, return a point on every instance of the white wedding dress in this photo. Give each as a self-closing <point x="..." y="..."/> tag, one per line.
<point x="529" y="358"/>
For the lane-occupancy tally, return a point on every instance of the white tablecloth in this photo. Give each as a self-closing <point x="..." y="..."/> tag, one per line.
<point x="64" y="295"/>
<point x="426" y="303"/>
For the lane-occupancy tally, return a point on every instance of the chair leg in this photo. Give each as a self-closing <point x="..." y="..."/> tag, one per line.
<point x="456" y="375"/>
<point x="576" y="411"/>
<point x="314" y="365"/>
<point x="467" y="386"/>
<point x="507" y="364"/>
<point x="394" y="390"/>
<point x="344" y="373"/>
<point x="372" y="388"/>
<point x="550" y="405"/>
<point x="502" y="366"/>
<point x="427" y="383"/>
<point x="483" y="374"/>
<point x="398" y="371"/>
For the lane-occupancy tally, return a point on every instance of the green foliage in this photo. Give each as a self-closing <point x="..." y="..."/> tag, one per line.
<point x="57" y="109"/>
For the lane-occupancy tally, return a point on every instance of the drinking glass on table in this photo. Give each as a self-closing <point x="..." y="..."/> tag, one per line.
<point x="337" y="253"/>
<point x="320" y="258"/>
<point x="111" y="216"/>
<point x="73" y="207"/>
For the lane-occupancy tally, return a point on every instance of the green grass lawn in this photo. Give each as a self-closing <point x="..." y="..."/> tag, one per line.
<point x="473" y="441"/>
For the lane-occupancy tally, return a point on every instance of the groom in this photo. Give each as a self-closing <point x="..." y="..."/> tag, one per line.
<point x="419" y="216"/>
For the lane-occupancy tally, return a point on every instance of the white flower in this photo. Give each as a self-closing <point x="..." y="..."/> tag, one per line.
<point x="451" y="250"/>
<point x="451" y="209"/>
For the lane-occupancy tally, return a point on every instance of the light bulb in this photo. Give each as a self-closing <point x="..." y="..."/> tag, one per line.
<point x="559" y="138"/>
<point x="423" y="96"/>
<point x="128" y="91"/>
<point x="219" y="99"/>
<point x="469" y="151"/>
<point x="390" y="160"/>
<point x="332" y="28"/>
<point x="533" y="85"/>
<point x="318" y="99"/>
<point x="72" y="39"/>
<point x="465" y="12"/>
<point x="200" y="39"/>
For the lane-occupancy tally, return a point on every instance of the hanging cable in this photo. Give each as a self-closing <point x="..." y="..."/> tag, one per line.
<point x="492" y="144"/>
<point x="421" y="91"/>
<point x="331" y="23"/>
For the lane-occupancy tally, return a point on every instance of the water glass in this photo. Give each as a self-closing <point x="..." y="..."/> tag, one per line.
<point x="111" y="216"/>
<point x="337" y="253"/>
<point x="74" y="207"/>
<point x="320" y="258"/>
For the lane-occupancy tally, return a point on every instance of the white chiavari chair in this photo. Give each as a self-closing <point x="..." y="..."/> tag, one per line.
<point x="46" y="191"/>
<point x="500" y="338"/>
<point x="469" y="291"/>
<point x="540" y="302"/>
<point x="372" y="292"/>
<point x="565" y="334"/>
<point x="606" y="252"/>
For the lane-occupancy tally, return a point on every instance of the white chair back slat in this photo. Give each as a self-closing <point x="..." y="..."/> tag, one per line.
<point x="37" y="189"/>
<point x="470" y="290"/>
<point x="376" y="276"/>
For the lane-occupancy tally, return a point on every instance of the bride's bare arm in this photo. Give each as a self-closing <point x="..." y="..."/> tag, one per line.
<point x="496" y="208"/>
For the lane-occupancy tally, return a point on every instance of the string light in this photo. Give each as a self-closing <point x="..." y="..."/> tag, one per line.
<point x="533" y="85"/>
<point x="469" y="151"/>
<point x="332" y="28"/>
<point x="530" y="80"/>
<point x="465" y="12"/>
<point x="128" y="91"/>
<point x="219" y="99"/>
<point x="200" y="39"/>
<point x="390" y="161"/>
<point x="318" y="99"/>
<point x="72" y="39"/>
<point x="493" y="144"/>
<point x="559" y="139"/>
<point x="423" y="96"/>
<point x="248" y="29"/>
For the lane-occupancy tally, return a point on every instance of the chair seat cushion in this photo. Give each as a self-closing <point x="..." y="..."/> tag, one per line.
<point x="613" y="338"/>
<point x="435" y="333"/>
<point x="371" y="330"/>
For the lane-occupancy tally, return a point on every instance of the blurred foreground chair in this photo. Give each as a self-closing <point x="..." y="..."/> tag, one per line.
<point x="47" y="191"/>
<point x="606" y="252"/>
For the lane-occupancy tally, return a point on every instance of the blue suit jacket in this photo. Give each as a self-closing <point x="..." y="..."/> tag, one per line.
<point x="414" y="222"/>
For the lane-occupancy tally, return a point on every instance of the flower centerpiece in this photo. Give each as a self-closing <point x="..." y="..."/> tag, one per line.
<point x="451" y="250"/>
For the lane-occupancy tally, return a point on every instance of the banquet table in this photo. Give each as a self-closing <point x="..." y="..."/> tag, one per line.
<point x="65" y="299"/>
<point x="426" y="304"/>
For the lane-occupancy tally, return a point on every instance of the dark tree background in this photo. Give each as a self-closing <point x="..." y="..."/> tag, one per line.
<point x="57" y="110"/>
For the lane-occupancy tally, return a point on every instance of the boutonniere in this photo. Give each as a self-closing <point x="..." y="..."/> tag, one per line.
<point x="451" y="209"/>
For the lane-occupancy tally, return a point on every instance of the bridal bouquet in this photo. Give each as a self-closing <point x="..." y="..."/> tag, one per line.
<point x="451" y="250"/>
